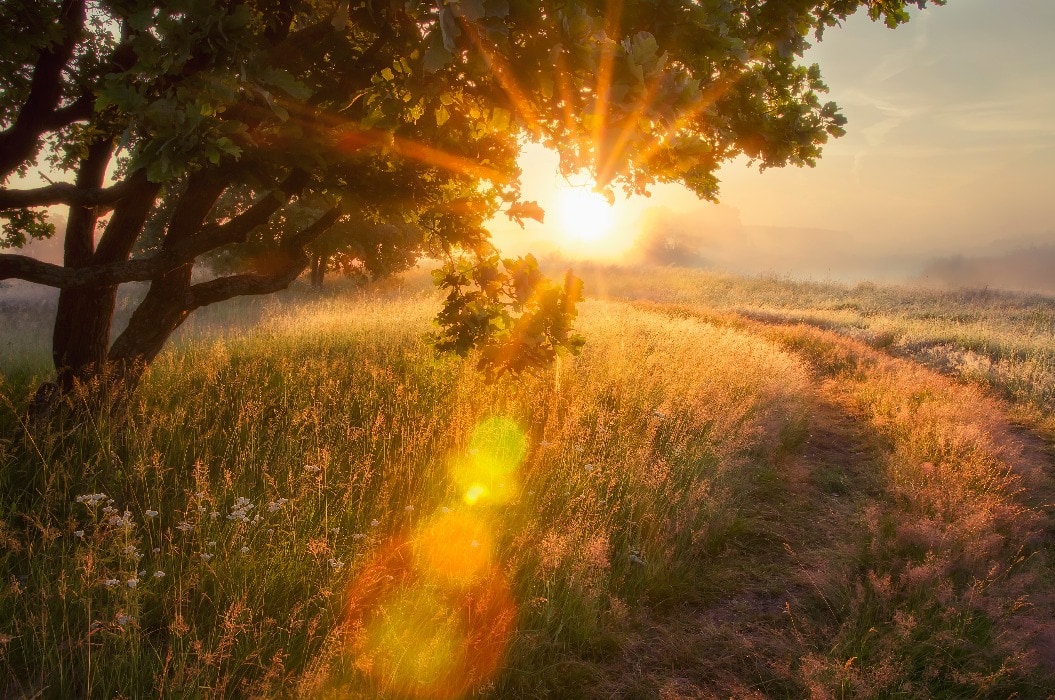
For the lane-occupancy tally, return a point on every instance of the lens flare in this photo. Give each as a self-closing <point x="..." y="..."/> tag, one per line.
<point x="488" y="473"/>
<point x="421" y="627"/>
<point x="456" y="547"/>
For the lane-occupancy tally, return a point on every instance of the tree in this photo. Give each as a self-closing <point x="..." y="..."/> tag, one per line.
<point x="191" y="128"/>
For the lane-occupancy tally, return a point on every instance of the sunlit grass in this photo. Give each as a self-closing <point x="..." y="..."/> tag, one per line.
<point x="287" y="461"/>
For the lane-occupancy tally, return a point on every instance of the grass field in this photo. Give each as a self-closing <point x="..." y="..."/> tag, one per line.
<point x="740" y="488"/>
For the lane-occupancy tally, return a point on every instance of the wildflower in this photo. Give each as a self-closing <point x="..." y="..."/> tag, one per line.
<point x="276" y="505"/>
<point x="474" y="544"/>
<point x="184" y="526"/>
<point x="78" y="533"/>
<point x="256" y="518"/>
<point x="445" y="509"/>
<point x="312" y="469"/>
<point x="636" y="558"/>
<point x="200" y="494"/>
<point x="336" y="565"/>
<point x="124" y="520"/>
<point x="589" y="468"/>
<point x="205" y="556"/>
<point x="215" y="514"/>
<point x="212" y="543"/>
<point x="130" y="549"/>
<point x="579" y="449"/>
<point x="143" y="573"/>
<point x="358" y="536"/>
<point x="335" y="530"/>
<point x="409" y="508"/>
<point x="132" y="582"/>
<point x="155" y="550"/>
<point x="159" y="574"/>
<point x="152" y="514"/>
<point x="91" y="499"/>
<point x="244" y="550"/>
<point x="240" y="510"/>
<point x="544" y="444"/>
<point x="270" y="531"/>
<point x="124" y="619"/>
<point x="111" y="582"/>
<point x="375" y="522"/>
<point x="202" y="509"/>
<point x="659" y="414"/>
<point x="109" y="510"/>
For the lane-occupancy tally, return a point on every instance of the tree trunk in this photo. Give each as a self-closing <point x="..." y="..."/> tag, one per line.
<point x="318" y="270"/>
<point x="82" y="322"/>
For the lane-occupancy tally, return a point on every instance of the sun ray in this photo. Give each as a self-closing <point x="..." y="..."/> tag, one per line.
<point x="506" y="80"/>
<point x="611" y="160"/>
<point x="685" y="118"/>
<point x="357" y="139"/>
<point x="613" y="16"/>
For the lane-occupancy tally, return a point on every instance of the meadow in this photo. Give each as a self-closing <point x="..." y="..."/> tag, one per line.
<point x="740" y="488"/>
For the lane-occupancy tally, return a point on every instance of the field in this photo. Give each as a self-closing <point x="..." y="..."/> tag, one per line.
<point x="744" y="488"/>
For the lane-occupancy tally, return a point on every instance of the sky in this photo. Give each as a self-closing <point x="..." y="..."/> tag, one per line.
<point x="950" y="149"/>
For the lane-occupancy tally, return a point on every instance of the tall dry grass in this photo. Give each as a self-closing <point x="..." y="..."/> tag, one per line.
<point x="282" y="511"/>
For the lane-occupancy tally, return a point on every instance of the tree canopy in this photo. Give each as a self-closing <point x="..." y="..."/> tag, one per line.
<point x="190" y="128"/>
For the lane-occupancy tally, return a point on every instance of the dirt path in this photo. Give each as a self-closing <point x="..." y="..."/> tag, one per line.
<point x="813" y="573"/>
<point x="800" y="533"/>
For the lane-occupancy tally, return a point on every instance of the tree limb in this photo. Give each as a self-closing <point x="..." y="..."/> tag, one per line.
<point x="180" y="252"/>
<point x="19" y="142"/>
<point x="64" y="193"/>
<point x="250" y="283"/>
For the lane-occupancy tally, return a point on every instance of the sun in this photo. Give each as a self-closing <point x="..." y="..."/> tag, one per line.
<point x="583" y="215"/>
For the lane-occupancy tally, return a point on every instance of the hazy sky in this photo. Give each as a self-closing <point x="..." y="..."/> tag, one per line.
<point x="950" y="144"/>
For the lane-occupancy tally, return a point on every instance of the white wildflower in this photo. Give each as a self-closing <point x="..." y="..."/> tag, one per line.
<point x="445" y="509"/>
<point x="474" y="544"/>
<point x="152" y="514"/>
<point x="589" y="468"/>
<point x="212" y="543"/>
<point x="215" y="514"/>
<point x="155" y="550"/>
<point x="132" y="582"/>
<point x="276" y="505"/>
<point x="78" y="533"/>
<point x="336" y="565"/>
<point x="244" y="550"/>
<point x="335" y="530"/>
<point x="409" y="508"/>
<point x="358" y="536"/>
<point x="92" y="499"/>
<point x="312" y="469"/>
<point x="159" y="574"/>
<point x="142" y="573"/>
<point x="205" y="556"/>
<point x="375" y="522"/>
<point x="124" y="619"/>
<point x="184" y="526"/>
<point x="111" y="582"/>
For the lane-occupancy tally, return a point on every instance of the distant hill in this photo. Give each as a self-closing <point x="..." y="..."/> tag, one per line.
<point x="1025" y="270"/>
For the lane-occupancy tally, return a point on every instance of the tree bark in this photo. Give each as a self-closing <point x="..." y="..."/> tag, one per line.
<point x="318" y="270"/>
<point x="81" y="333"/>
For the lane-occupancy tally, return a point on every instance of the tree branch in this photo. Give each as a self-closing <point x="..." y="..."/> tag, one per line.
<point x="179" y="252"/>
<point x="250" y="283"/>
<point x="19" y="142"/>
<point x="64" y="193"/>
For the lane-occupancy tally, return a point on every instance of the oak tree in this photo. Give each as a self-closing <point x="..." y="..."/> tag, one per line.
<point x="188" y="129"/>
